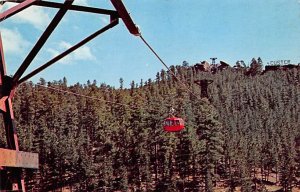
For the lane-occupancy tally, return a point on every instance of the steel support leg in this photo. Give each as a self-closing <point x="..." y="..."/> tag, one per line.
<point x="13" y="174"/>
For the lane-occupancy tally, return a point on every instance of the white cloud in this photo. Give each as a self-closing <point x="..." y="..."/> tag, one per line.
<point x="13" y="41"/>
<point x="33" y="15"/>
<point x="64" y="45"/>
<point x="1" y="7"/>
<point x="81" y="2"/>
<point x="65" y="60"/>
<point x="83" y="53"/>
<point x="104" y="19"/>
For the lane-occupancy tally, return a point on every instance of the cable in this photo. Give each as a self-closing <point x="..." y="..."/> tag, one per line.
<point x="172" y="73"/>
<point x="88" y="97"/>
<point x="156" y="55"/>
<point x="81" y="95"/>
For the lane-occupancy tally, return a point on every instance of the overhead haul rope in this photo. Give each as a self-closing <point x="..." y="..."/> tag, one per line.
<point x="81" y="95"/>
<point x="172" y="73"/>
<point x="88" y="97"/>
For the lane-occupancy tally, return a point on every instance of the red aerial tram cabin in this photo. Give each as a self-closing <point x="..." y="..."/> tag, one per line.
<point x="173" y="124"/>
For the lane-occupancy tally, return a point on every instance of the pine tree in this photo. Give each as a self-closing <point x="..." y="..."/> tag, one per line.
<point x="210" y="133"/>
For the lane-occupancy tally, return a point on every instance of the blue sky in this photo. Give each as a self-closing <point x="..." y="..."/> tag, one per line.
<point x="191" y="31"/>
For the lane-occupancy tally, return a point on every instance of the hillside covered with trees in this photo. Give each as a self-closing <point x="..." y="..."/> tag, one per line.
<point x="245" y="136"/>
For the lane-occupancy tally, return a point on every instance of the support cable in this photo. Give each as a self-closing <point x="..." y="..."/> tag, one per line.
<point x="172" y="73"/>
<point x="81" y="95"/>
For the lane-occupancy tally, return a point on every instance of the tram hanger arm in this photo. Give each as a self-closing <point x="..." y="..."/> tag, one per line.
<point x="50" y="4"/>
<point x="125" y="16"/>
<point x="118" y="4"/>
